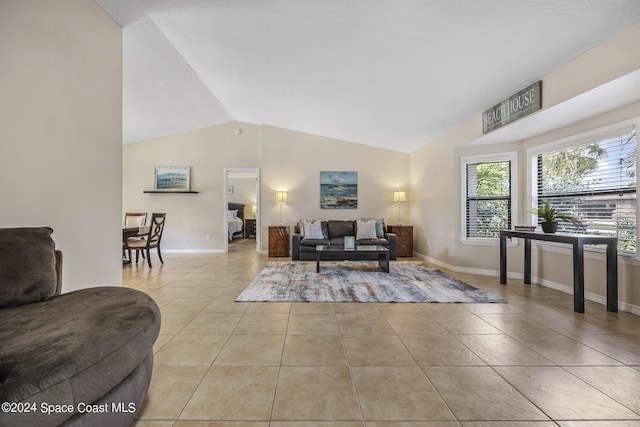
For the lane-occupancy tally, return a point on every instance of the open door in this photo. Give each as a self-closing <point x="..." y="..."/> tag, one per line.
<point x="248" y="199"/>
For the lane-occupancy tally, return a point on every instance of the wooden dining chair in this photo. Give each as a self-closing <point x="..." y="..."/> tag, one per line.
<point x="135" y="218"/>
<point x="152" y="239"/>
<point x="132" y="219"/>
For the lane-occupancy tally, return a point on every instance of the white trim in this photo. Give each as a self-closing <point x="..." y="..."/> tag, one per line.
<point x="510" y="156"/>
<point x="465" y="270"/>
<point x="192" y="251"/>
<point x="589" y="296"/>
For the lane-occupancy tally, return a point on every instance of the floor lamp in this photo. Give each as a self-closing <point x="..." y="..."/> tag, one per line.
<point x="399" y="197"/>
<point x="281" y="198"/>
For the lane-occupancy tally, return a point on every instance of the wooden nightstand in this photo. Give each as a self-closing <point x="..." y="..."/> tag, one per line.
<point x="405" y="238"/>
<point x="278" y="241"/>
<point x="250" y="228"/>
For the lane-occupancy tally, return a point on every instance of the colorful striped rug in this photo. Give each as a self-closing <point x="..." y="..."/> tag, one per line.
<point x="357" y="281"/>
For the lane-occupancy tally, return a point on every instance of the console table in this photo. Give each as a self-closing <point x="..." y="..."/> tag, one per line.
<point x="577" y="241"/>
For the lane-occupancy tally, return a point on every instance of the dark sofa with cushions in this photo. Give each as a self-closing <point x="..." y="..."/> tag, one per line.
<point x="333" y="232"/>
<point x="80" y="358"/>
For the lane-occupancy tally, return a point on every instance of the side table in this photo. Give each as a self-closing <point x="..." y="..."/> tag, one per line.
<point x="405" y="238"/>
<point x="278" y="241"/>
<point x="250" y="227"/>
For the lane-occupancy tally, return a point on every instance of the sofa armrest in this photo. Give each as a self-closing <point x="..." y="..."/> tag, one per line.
<point x="393" y="245"/>
<point x="295" y="246"/>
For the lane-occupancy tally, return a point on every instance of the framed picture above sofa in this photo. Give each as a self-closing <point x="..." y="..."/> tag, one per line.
<point x="338" y="190"/>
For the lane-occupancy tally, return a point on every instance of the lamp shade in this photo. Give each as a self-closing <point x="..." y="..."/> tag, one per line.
<point x="254" y="209"/>
<point x="399" y="196"/>
<point x="281" y="196"/>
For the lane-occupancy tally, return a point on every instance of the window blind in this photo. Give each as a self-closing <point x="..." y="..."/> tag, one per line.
<point x="488" y="198"/>
<point x="595" y="183"/>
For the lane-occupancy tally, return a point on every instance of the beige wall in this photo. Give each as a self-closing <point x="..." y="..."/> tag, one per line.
<point x="292" y="161"/>
<point x="244" y="192"/>
<point x="287" y="159"/>
<point x="208" y="151"/>
<point x="436" y="187"/>
<point x="61" y="131"/>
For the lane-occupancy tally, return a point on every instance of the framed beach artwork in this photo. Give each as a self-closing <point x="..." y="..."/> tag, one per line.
<point x="172" y="178"/>
<point x="338" y="190"/>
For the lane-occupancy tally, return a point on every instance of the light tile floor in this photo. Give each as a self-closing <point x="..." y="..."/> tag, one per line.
<point x="531" y="362"/>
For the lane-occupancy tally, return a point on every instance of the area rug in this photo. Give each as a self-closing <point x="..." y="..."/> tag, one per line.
<point x="357" y="281"/>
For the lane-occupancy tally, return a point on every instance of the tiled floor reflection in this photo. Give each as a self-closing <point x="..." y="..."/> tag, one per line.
<point x="532" y="362"/>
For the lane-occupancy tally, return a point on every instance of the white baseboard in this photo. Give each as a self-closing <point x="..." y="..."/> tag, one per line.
<point x="192" y="251"/>
<point x="590" y="296"/>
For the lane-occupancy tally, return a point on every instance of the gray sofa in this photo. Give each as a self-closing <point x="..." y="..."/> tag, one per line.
<point x="334" y="232"/>
<point x="83" y="358"/>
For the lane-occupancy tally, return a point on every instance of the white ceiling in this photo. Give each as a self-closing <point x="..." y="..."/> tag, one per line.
<point x="391" y="74"/>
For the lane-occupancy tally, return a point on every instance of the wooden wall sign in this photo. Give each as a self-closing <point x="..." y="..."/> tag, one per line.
<point x="523" y="103"/>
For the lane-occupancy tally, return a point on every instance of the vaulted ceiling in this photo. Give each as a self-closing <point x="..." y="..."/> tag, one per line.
<point x="391" y="74"/>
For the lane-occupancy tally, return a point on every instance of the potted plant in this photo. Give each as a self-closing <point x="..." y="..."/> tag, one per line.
<point x="550" y="217"/>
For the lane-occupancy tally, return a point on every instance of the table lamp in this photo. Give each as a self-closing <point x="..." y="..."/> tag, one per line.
<point x="399" y="197"/>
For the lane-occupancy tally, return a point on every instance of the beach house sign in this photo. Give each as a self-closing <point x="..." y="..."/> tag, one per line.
<point x="523" y="103"/>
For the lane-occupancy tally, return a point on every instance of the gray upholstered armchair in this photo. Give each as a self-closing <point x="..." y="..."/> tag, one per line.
<point x="85" y="357"/>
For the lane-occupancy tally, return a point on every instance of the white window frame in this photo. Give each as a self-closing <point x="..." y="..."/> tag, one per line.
<point x="510" y="156"/>
<point x="594" y="135"/>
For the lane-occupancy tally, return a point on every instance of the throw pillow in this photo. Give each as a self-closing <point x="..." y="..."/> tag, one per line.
<point x="313" y="230"/>
<point x="27" y="266"/>
<point x="366" y="230"/>
<point x="301" y="223"/>
<point x="231" y="215"/>
<point x="379" y="225"/>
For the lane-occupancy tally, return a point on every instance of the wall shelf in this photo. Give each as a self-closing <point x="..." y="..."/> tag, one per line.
<point x="169" y="192"/>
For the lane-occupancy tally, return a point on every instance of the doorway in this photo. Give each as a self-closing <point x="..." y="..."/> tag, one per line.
<point x="236" y="190"/>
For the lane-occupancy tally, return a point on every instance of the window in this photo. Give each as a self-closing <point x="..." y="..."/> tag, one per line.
<point x="595" y="182"/>
<point x="488" y="197"/>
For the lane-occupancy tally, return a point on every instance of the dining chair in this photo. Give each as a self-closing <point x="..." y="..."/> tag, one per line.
<point x="131" y="219"/>
<point x="135" y="218"/>
<point x="152" y="239"/>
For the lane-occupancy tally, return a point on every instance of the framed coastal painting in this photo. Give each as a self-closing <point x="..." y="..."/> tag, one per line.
<point x="172" y="178"/>
<point x="338" y="190"/>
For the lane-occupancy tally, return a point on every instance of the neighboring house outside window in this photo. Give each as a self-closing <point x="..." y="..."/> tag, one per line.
<point x="488" y="201"/>
<point x="594" y="180"/>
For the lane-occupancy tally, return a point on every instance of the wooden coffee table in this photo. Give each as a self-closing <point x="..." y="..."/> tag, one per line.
<point x="359" y="253"/>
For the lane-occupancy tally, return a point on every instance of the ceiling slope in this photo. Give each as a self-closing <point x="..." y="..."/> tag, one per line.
<point x="382" y="73"/>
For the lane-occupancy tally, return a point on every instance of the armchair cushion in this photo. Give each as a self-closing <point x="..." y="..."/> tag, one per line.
<point x="27" y="266"/>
